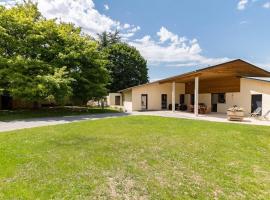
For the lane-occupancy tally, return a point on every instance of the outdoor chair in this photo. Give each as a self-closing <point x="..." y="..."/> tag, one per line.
<point x="257" y="112"/>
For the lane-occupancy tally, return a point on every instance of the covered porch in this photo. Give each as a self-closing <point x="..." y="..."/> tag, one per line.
<point x="210" y="90"/>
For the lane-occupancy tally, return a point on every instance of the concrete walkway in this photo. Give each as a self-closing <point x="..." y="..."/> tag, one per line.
<point x="31" y="123"/>
<point x="46" y="121"/>
<point x="214" y="117"/>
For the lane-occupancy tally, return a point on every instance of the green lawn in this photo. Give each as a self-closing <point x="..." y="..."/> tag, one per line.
<point x="8" y="115"/>
<point x="136" y="157"/>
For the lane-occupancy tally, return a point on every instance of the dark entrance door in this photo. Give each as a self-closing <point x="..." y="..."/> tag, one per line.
<point x="144" y="102"/>
<point x="117" y="100"/>
<point x="164" y="101"/>
<point x="214" y="102"/>
<point x="256" y="103"/>
<point x="6" y="102"/>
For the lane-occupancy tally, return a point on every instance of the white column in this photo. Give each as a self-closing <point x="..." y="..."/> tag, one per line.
<point x="196" y="96"/>
<point x="173" y="96"/>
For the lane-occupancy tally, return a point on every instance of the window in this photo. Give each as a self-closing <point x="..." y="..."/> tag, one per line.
<point x="117" y="100"/>
<point x="221" y="98"/>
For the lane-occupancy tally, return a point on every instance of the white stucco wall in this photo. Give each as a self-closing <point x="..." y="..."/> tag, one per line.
<point x="111" y="99"/>
<point x="154" y="92"/>
<point x="206" y="99"/>
<point x="243" y="98"/>
<point x="127" y="100"/>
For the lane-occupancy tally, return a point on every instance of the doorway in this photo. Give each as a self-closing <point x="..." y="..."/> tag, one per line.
<point x="117" y="100"/>
<point x="144" y="102"/>
<point x="256" y="103"/>
<point x="6" y="102"/>
<point x="214" y="102"/>
<point x="164" y="101"/>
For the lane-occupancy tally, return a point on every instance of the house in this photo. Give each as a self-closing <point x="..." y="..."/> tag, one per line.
<point x="217" y="88"/>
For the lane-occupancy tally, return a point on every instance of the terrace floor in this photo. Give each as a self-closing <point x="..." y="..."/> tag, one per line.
<point x="215" y="117"/>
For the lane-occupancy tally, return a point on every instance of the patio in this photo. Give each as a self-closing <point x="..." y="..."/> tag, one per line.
<point x="214" y="117"/>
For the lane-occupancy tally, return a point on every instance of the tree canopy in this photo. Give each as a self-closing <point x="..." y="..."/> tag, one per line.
<point x="126" y="66"/>
<point x="44" y="60"/>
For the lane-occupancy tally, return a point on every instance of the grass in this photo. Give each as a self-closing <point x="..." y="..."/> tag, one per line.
<point x="136" y="157"/>
<point x="9" y="115"/>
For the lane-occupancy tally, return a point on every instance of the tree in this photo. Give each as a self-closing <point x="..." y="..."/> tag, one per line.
<point x="108" y="38"/>
<point x="126" y="66"/>
<point x="44" y="60"/>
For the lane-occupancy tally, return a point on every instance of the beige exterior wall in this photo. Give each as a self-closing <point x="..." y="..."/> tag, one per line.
<point x="132" y="98"/>
<point x="243" y="98"/>
<point x="154" y="92"/>
<point x="127" y="100"/>
<point x="206" y="99"/>
<point x="111" y="99"/>
<point x="249" y="87"/>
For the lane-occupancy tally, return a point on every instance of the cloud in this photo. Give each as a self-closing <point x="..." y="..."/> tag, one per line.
<point x="172" y="50"/>
<point x="266" y="5"/>
<point x="242" y="4"/>
<point x="167" y="48"/>
<point x="244" y="22"/>
<point x="80" y="12"/>
<point x="106" y="7"/>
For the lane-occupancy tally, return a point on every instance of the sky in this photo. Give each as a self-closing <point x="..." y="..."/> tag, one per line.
<point x="175" y="36"/>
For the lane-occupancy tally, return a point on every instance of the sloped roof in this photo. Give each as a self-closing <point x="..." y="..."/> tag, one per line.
<point x="236" y="68"/>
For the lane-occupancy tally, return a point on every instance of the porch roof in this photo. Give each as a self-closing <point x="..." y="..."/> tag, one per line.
<point x="266" y="79"/>
<point x="234" y="68"/>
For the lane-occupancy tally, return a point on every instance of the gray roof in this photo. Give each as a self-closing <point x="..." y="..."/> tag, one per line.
<point x="267" y="79"/>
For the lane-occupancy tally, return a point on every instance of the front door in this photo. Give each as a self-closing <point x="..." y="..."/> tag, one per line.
<point x="144" y="102"/>
<point x="164" y="101"/>
<point x="214" y="102"/>
<point x="256" y="102"/>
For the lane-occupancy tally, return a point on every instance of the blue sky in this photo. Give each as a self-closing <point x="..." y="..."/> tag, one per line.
<point x="176" y="36"/>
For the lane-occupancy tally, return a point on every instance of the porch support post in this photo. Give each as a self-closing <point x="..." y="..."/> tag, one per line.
<point x="173" y="96"/>
<point x="196" y="95"/>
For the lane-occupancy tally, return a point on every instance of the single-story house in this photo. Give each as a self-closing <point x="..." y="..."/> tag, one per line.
<point x="217" y="88"/>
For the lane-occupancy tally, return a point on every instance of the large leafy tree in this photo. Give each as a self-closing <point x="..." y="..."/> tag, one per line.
<point x="44" y="60"/>
<point x="126" y="66"/>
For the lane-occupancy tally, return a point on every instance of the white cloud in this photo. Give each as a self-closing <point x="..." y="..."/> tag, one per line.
<point x="242" y="4"/>
<point x="178" y="51"/>
<point x="106" y="7"/>
<point x="170" y="49"/>
<point x="244" y="22"/>
<point x="266" y="5"/>
<point x="80" y="12"/>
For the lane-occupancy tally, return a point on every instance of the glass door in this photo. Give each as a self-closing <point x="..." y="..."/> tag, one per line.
<point x="144" y="102"/>
<point x="256" y="103"/>
<point x="164" y="101"/>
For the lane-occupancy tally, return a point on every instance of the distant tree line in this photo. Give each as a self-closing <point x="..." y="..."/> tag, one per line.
<point x="42" y="60"/>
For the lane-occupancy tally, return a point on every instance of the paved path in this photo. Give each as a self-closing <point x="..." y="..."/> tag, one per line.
<point x="214" y="117"/>
<point x="30" y="123"/>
